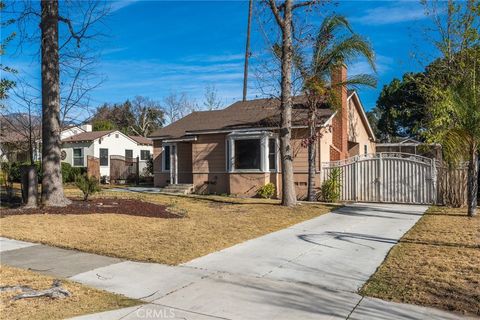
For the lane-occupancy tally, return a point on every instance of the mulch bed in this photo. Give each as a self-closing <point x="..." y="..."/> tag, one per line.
<point x="119" y="206"/>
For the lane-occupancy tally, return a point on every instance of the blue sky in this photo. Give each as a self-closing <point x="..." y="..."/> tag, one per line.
<point x="155" y="48"/>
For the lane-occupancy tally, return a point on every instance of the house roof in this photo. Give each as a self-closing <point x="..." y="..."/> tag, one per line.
<point x="87" y="136"/>
<point x="142" y="140"/>
<point x="242" y="114"/>
<point x="93" y="135"/>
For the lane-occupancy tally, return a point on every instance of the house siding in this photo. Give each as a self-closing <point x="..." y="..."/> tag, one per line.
<point x="357" y="130"/>
<point x="209" y="154"/>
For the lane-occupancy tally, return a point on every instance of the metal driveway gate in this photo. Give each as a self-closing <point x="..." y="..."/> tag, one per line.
<point x="385" y="177"/>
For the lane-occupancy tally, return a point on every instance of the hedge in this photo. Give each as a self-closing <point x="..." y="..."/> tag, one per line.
<point x="68" y="172"/>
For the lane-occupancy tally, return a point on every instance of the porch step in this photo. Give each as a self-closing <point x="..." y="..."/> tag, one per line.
<point x="178" y="188"/>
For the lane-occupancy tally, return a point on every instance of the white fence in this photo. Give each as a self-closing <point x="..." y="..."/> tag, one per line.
<point x="386" y="177"/>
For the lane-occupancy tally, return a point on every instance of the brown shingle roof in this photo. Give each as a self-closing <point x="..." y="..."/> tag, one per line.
<point x="242" y="114"/>
<point x="87" y="136"/>
<point x="93" y="135"/>
<point x="142" y="140"/>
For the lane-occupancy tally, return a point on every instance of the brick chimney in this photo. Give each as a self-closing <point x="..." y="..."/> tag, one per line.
<point x="339" y="148"/>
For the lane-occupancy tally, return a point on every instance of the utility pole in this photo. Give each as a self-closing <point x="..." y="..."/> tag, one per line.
<point x="247" y="51"/>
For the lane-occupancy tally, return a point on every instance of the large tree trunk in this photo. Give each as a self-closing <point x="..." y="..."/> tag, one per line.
<point x="289" y="197"/>
<point x="472" y="181"/>
<point x="52" y="188"/>
<point x="312" y="143"/>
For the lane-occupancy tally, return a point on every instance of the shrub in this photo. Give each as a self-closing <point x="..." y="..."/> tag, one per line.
<point x="88" y="185"/>
<point x="67" y="172"/>
<point x="267" y="191"/>
<point x="12" y="169"/>
<point x="7" y="178"/>
<point x="331" y="188"/>
<point x="76" y="171"/>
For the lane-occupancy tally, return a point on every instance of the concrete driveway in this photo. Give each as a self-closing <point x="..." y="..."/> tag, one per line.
<point x="311" y="270"/>
<point x="338" y="251"/>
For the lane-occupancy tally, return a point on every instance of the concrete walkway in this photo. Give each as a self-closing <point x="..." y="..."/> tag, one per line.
<point x="309" y="271"/>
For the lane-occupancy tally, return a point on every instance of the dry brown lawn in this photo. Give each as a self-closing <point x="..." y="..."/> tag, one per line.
<point x="210" y="225"/>
<point x="437" y="263"/>
<point x="83" y="300"/>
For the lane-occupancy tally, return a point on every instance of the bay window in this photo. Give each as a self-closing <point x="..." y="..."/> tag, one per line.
<point x="247" y="154"/>
<point x="251" y="152"/>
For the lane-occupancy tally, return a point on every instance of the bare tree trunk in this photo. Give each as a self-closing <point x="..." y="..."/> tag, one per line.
<point x="289" y="197"/>
<point x="29" y="186"/>
<point x="52" y="188"/>
<point x="473" y="181"/>
<point x="312" y="143"/>
<point x="247" y="51"/>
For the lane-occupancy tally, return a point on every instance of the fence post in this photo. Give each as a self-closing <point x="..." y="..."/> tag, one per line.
<point x="379" y="178"/>
<point x="138" y="171"/>
<point x="433" y="169"/>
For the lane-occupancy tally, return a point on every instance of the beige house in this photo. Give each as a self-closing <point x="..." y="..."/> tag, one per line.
<point x="236" y="150"/>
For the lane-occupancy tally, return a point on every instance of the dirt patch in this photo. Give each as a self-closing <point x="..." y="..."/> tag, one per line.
<point x="130" y="207"/>
<point x="84" y="300"/>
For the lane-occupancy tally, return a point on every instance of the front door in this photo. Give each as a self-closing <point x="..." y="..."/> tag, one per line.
<point x="173" y="164"/>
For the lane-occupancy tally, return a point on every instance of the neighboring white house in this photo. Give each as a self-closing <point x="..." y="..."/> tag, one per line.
<point x="74" y="129"/>
<point x="14" y="143"/>
<point x="102" y="145"/>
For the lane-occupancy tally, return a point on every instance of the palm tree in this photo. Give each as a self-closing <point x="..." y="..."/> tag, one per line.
<point x="455" y="119"/>
<point x="335" y="45"/>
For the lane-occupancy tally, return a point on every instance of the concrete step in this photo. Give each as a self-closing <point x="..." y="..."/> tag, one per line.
<point x="178" y="188"/>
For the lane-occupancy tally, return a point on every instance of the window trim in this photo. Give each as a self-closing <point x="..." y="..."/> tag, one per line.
<point x="81" y="157"/>
<point x="275" y="152"/>
<point x="100" y="157"/>
<point x="263" y="136"/>
<point x="260" y="159"/>
<point x="169" y="145"/>
<point x="145" y="151"/>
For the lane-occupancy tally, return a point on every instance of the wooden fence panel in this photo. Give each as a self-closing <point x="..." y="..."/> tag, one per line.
<point x="125" y="170"/>
<point x="93" y="167"/>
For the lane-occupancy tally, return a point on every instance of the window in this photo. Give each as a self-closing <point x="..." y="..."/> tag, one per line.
<point x="117" y="135"/>
<point x="104" y="157"/>
<point x="247" y="154"/>
<point x="365" y="149"/>
<point x="78" y="157"/>
<point x="272" y="154"/>
<point x="128" y="153"/>
<point x="166" y="158"/>
<point x="144" y="154"/>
